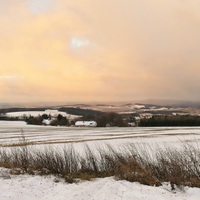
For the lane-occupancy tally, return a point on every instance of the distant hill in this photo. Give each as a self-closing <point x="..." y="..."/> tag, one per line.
<point x="171" y="103"/>
<point x="6" y="110"/>
<point x="80" y="111"/>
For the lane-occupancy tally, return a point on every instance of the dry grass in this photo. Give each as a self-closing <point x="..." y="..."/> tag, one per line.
<point x="132" y="163"/>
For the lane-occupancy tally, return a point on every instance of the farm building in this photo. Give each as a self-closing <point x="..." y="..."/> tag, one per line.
<point x="86" y="123"/>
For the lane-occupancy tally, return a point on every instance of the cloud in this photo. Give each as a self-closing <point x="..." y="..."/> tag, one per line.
<point x="9" y="78"/>
<point x="100" y="50"/>
<point x="79" y="42"/>
<point x="40" y="6"/>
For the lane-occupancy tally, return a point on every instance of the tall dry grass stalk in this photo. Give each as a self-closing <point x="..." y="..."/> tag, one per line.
<point x="133" y="163"/>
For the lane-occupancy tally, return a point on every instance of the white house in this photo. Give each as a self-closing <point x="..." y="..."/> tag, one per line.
<point x="86" y="123"/>
<point x="132" y="124"/>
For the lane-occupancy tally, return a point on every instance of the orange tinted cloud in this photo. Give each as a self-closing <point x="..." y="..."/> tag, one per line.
<point x="99" y="50"/>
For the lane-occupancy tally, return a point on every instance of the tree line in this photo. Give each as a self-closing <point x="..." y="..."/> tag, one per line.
<point x="60" y="120"/>
<point x="176" y="120"/>
<point x="104" y="120"/>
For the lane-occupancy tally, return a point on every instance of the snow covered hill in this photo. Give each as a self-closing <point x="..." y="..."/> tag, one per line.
<point x="25" y="187"/>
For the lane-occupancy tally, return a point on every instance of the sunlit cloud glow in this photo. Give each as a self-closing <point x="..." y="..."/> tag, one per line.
<point x="39" y="6"/>
<point x="79" y="42"/>
<point x="58" y="50"/>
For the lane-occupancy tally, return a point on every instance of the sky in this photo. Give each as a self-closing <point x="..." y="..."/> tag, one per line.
<point x="99" y="50"/>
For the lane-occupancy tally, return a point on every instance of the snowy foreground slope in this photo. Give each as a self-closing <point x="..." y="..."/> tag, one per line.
<point x="25" y="187"/>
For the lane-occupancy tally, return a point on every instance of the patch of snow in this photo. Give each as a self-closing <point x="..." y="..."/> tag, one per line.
<point x="25" y="187"/>
<point x="53" y="113"/>
<point x="138" y="106"/>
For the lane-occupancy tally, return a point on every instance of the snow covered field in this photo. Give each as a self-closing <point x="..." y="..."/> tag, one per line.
<point x="46" y="188"/>
<point x="53" y="113"/>
<point x="10" y="133"/>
